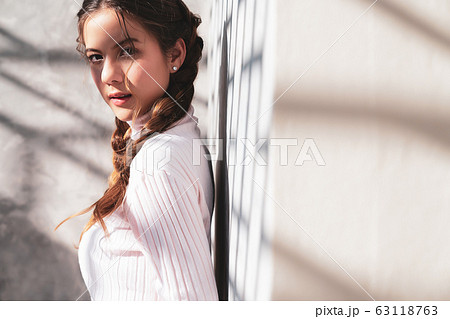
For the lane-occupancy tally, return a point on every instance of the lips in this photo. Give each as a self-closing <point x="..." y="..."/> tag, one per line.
<point x="118" y="95"/>
<point x="119" y="98"/>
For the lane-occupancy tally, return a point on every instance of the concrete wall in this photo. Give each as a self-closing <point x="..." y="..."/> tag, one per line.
<point x="55" y="131"/>
<point x="373" y="94"/>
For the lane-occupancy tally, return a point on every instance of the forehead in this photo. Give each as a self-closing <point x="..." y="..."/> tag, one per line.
<point x="102" y="28"/>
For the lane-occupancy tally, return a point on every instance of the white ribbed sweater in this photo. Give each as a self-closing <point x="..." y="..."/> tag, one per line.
<point x="159" y="244"/>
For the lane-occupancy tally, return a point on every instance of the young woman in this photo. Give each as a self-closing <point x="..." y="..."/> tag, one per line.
<point x="149" y="235"/>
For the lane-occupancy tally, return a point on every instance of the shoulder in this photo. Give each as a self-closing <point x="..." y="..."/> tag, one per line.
<point x="167" y="153"/>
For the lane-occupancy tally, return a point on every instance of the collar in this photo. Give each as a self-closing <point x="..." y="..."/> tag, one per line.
<point x="136" y="128"/>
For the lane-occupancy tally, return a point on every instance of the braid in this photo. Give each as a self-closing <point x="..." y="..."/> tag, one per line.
<point x="181" y="88"/>
<point x="184" y="78"/>
<point x="118" y="144"/>
<point x="118" y="180"/>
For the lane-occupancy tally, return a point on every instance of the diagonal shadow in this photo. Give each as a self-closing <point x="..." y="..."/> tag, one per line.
<point x="434" y="127"/>
<point x="315" y="278"/>
<point x="413" y="21"/>
<point x="37" y="138"/>
<point x="26" y="51"/>
<point x="33" y="267"/>
<point x="14" y="80"/>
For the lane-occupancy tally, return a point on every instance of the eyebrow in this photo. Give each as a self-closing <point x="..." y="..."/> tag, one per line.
<point x="116" y="45"/>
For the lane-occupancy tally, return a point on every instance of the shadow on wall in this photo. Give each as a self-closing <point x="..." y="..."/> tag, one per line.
<point x="427" y="124"/>
<point x="303" y="278"/>
<point x="414" y="21"/>
<point x="394" y="117"/>
<point x="312" y="281"/>
<point x="33" y="267"/>
<point x="24" y="51"/>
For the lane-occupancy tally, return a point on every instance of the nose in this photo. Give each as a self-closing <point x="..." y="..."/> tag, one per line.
<point x="111" y="72"/>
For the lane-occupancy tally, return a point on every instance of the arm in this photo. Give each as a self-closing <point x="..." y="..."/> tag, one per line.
<point x="166" y="219"/>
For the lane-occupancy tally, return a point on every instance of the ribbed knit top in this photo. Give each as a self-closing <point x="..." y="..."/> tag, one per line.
<point x="159" y="243"/>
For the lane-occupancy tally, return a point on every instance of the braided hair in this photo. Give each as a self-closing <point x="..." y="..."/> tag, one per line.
<point x="167" y="21"/>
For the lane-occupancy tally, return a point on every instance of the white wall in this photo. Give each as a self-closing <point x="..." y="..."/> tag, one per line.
<point x="373" y="94"/>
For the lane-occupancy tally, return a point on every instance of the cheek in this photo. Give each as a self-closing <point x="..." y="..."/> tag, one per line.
<point x="151" y="83"/>
<point x="159" y="79"/>
<point x="96" y="76"/>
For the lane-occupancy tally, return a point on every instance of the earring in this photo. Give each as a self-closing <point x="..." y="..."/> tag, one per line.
<point x="174" y="68"/>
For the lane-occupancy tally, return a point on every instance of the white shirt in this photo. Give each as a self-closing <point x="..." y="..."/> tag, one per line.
<point x="159" y="244"/>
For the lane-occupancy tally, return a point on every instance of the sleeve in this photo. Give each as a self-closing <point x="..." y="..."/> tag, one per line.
<point x="166" y="218"/>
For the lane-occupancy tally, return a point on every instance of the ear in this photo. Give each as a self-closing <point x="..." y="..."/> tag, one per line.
<point x="177" y="55"/>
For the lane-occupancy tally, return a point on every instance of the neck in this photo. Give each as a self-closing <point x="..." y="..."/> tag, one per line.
<point x="138" y="124"/>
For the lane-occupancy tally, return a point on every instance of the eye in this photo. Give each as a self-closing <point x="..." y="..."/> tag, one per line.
<point x="94" y="58"/>
<point x="128" y="51"/>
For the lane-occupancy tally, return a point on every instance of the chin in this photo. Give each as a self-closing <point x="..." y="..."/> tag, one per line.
<point x="123" y="114"/>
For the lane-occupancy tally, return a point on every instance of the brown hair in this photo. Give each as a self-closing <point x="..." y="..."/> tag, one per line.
<point x="167" y="21"/>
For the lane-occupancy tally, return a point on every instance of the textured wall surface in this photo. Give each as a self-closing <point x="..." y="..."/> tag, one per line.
<point x="55" y="131"/>
<point x="371" y="88"/>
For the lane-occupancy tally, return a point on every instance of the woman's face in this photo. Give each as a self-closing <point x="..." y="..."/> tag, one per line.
<point x="148" y="76"/>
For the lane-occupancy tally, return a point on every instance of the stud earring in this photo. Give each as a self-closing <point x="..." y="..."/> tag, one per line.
<point x="174" y="68"/>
